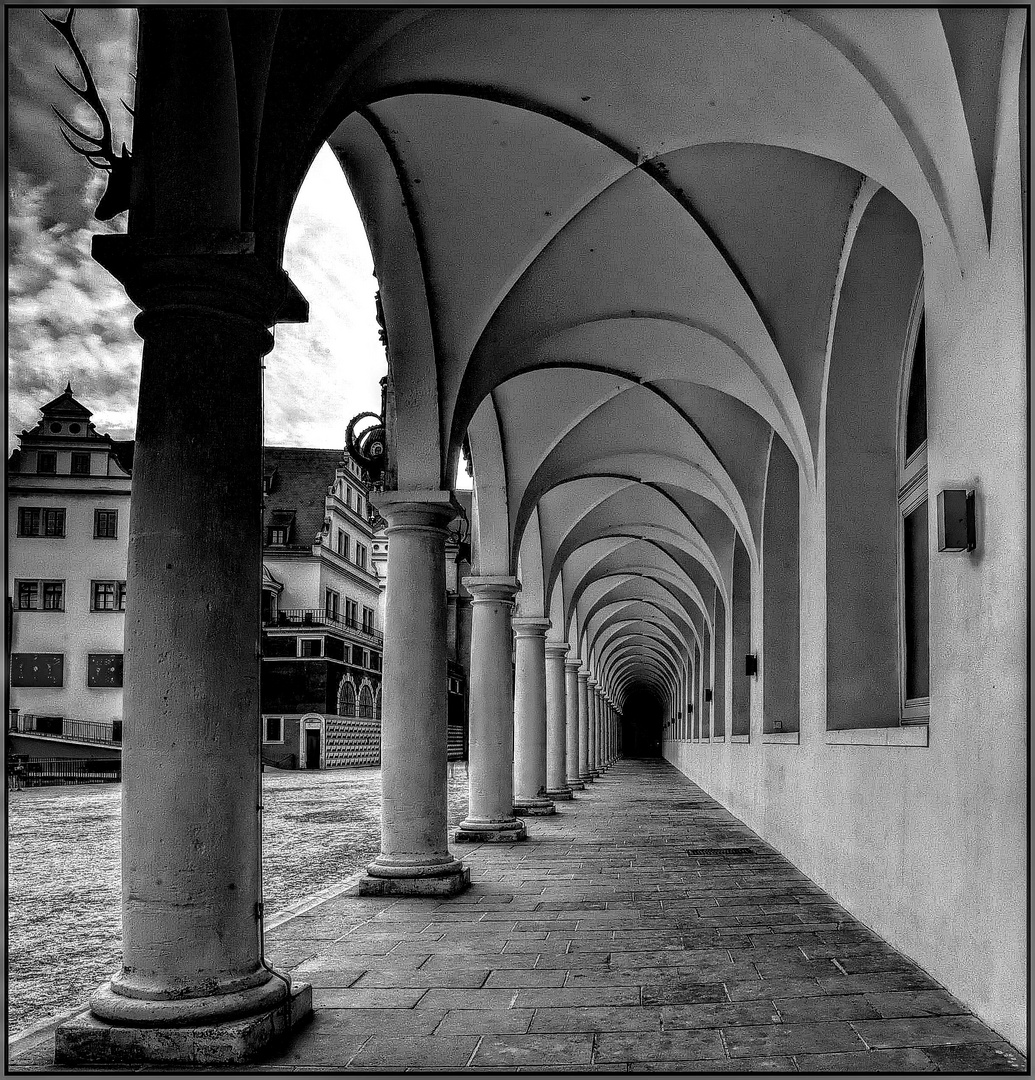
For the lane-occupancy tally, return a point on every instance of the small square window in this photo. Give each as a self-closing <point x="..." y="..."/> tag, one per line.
<point x="80" y="464"/>
<point x="309" y="647"/>
<point x="274" y="729"/>
<point x="46" y="462"/>
<point x="108" y="596"/>
<point x="105" y="524"/>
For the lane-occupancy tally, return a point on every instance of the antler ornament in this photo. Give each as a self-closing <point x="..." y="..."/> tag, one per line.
<point x="99" y="152"/>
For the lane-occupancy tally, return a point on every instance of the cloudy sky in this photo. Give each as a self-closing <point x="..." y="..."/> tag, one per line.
<point x="70" y="320"/>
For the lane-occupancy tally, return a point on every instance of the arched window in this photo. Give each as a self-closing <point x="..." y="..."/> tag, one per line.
<point x="346" y="698"/>
<point x="914" y="547"/>
<point x="377" y="704"/>
<point x="366" y="702"/>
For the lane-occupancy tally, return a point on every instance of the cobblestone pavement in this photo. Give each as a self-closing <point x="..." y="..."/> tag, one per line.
<point x="642" y="929"/>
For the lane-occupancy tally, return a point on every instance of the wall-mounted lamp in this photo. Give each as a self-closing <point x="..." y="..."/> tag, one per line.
<point x="751" y="664"/>
<point x="778" y="725"/>
<point x="956" y="528"/>
<point x="707" y="695"/>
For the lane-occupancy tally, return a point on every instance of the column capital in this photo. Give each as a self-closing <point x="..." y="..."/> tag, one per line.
<point x="491" y="588"/>
<point x="572" y="665"/>
<point x="557" y="649"/>
<point x="530" y="626"/>
<point x="217" y="273"/>
<point x="593" y="684"/>
<point x="415" y="509"/>
<point x="583" y="676"/>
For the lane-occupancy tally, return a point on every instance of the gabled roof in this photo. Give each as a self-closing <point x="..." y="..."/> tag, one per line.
<point x="299" y="482"/>
<point x="66" y="405"/>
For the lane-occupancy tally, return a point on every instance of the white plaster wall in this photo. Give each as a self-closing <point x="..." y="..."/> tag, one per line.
<point x="300" y="578"/>
<point x="927" y="845"/>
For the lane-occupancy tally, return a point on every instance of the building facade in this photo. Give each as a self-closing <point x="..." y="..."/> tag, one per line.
<point x="67" y="535"/>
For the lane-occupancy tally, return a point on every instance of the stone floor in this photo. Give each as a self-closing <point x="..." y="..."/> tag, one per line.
<point x="642" y="929"/>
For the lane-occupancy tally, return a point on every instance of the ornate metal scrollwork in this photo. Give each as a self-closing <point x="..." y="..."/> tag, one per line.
<point x="368" y="447"/>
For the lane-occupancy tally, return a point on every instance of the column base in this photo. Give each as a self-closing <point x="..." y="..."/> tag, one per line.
<point x="503" y="831"/>
<point x="575" y="784"/>
<point x="87" y="1040"/>
<point x="443" y="885"/>
<point x="559" y="794"/>
<point x="587" y="777"/>
<point x="534" y="807"/>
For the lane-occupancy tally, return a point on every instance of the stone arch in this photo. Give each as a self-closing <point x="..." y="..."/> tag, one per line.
<point x="365" y="701"/>
<point x="861" y="465"/>
<point x="347" y="696"/>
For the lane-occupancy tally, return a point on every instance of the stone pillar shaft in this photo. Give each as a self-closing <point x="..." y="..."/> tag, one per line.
<point x="584" y="771"/>
<point x="415" y="858"/>
<point x="556" y="719"/>
<point x="490" y="815"/>
<point x="530" y="717"/>
<point x="571" y="708"/>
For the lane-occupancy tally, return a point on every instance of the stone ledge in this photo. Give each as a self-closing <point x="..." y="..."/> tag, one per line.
<point x="792" y="738"/>
<point x="915" y="735"/>
<point x="86" y="1040"/>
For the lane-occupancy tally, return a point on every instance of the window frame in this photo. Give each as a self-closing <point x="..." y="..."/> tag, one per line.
<point x="913" y="491"/>
<point x="361" y="555"/>
<point x="39" y="602"/>
<point x="332" y="604"/>
<point x="266" y="729"/>
<point x="101" y="513"/>
<point x="50" y="456"/>
<point x="119" y="595"/>
<point x="314" y="641"/>
<point x="79" y="457"/>
<point x="42" y="524"/>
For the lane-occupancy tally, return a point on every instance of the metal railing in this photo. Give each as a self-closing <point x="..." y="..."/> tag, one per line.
<point x="319" y="617"/>
<point x="39" y="772"/>
<point x="62" y="727"/>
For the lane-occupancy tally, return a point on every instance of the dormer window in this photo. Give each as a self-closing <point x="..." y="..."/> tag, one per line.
<point x="46" y="462"/>
<point x="280" y="528"/>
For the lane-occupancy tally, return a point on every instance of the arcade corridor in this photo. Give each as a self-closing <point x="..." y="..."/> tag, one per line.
<point x="726" y="308"/>
<point x="643" y="928"/>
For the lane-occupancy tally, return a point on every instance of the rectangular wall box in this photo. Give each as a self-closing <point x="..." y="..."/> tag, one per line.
<point x="956" y="526"/>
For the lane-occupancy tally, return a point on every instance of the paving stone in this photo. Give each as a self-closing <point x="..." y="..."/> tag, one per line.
<point x="499" y="998"/>
<point x="485" y="1022"/>
<point x="870" y="1061"/>
<point x="977" y="1058"/>
<point x="775" y="1039"/>
<point x="400" y="997"/>
<point x="924" y="1031"/>
<point x="835" y="1007"/>
<point x="855" y="965"/>
<point x="313" y="1048"/>
<point x="676" y="1046"/>
<point x="875" y="982"/>
<point x="915" y="1003"/>
<point x="682" y="993"/>
<point x="598" y="1018"/>
<point x="519" y="977"/>
<point x="334" y="1022"/>
<point x="723" y="1065"/>
<point x="718" y="1014"/>
<point x="542" y="1051"/>
<point x="430" y="1051"/>
<point x="436" y="978"/>
<point x="576" y="997"/>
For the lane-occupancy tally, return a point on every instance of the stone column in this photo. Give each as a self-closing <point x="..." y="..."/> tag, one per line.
<point x="415" y="858"/>
<point x="584" y="771"/>
<point x="490" y="814"/>
<point x="191" y="789"/>
<point x="530" y="717"/>
<point x="571" y="708"/>
<point x="592" y="703"/>
<point x="556" y="718"/>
